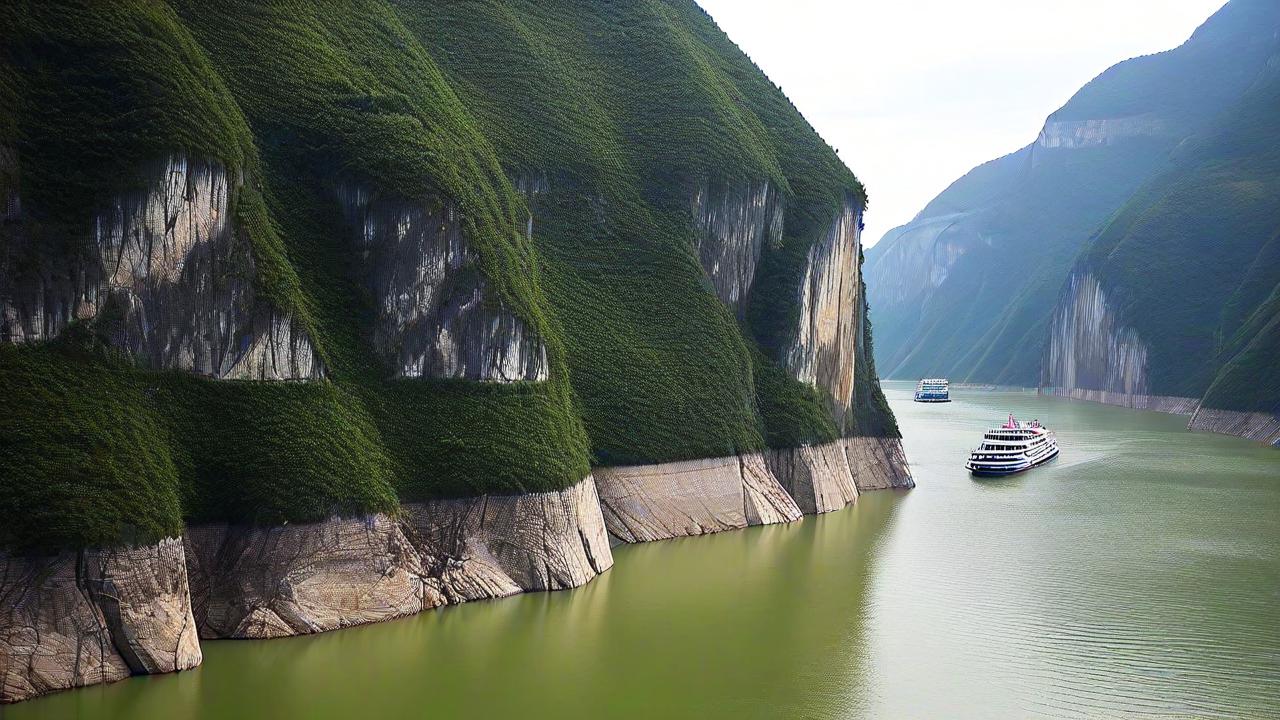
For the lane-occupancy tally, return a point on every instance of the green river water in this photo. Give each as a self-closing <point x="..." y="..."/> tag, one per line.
<point x="1136" y="576"/>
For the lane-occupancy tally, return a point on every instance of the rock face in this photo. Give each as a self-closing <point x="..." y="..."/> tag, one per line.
<point x="825" y="344"/>
<point x="1091" y="356"/>
<point x="249" y="582"/>
<point x="1089" y="348"/>
<point x="92" y="616"/>
<point x="497" y="545"/>
<point x="734" y="223"/>
<point x="691" y="497"/>
<point x="878" y="463"/>
<point x="818" y="477"/>
<point x="1071" y="134"/>
<point x="435" y="316"/>
<point x="1263" y="427"/>
<point x="297" y="579"/>
<point x="164" y="273"/>
<point x="921" y="257"/>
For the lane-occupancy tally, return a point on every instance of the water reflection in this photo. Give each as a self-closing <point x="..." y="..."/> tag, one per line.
<point x="738" y="625"/>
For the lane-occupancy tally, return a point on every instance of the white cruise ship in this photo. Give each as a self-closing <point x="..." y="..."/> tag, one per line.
<point x="933" y="390"/>
<point x="1012" y="448"/>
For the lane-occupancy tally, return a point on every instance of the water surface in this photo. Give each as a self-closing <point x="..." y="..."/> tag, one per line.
<point x="1136" y="576"/>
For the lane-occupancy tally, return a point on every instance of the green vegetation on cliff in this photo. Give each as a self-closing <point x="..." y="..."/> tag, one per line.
<point x="1193" y="260"/>
<point x="613" y="112"/>
<point x="968" y="288"/>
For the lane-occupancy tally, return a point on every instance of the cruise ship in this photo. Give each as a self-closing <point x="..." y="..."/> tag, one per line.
<point x="1012" y="448"/>
<point x="933" y="390"/>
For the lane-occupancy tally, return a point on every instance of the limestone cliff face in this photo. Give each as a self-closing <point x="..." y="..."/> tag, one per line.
<point x="920" y="257"/>
<point x="825" y="344"/>
<point x="1074" y="134"/>
<point x="164" y="273"/>
<point x="878" y="463"/>
<point x="691" y="497"/>
<point x="1092" y="356"/>
<point x="733" y="224"/>
<point x="817" y="476"/>
<point x="251" y="582"/>
<point x="92" y="616"/>
<point x="435" y="316"/>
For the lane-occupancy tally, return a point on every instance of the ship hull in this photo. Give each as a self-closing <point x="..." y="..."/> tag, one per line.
<point x="1005" y="472"/>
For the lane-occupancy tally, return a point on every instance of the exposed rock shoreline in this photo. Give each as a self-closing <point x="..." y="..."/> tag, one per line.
<point x="1156" y="403"/>
<point x="100" y="615"/>
<point x="1262" y="427"/>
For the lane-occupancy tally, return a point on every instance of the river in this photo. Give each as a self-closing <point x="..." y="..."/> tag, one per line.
<point x="1137" y="575"/>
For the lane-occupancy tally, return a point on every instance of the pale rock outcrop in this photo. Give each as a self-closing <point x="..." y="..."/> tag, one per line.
<point x="878" y="463"/>
<point x="294" y="579"/>
<point x="166" y="276"/>
<point x="691" y="497"/>
<point x="1072" y="134"/>
<point x="1263" y="427"/>
<point x="733" y="224"/>
<point x="1092" y="356"/>
<point x="825" y="344"/>
<point x="920" y="257"/>
<point x="261" y="582"/>
<point x="436" y="318"/>
<point x="818" y="477"/>
<point x="496" y="545"/>
<point x="93" y="616"/>
<point x="1089" y="348"/>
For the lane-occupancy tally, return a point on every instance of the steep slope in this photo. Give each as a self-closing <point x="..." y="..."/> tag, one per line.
<point x="354" y="297"/>
<point x="968" y="288"/>
<point x="1175" y="297"/>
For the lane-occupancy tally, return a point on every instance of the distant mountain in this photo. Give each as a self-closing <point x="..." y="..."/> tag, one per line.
<point x="968" y="289"/>
<point x="1178" y="297"/>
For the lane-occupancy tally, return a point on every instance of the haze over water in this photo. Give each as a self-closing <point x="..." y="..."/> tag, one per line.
<point x="1137" y="575"/>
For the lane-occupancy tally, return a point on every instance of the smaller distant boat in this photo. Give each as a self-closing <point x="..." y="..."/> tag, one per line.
<point x="1012" y="448"/>
<point x="933" y="390"/>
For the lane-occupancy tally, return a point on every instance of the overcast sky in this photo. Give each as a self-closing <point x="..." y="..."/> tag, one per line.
<point x="914" y="93"/>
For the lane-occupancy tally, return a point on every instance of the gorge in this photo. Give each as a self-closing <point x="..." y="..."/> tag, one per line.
<point x="316" y="315"/>
<point x="1127" y="256"/>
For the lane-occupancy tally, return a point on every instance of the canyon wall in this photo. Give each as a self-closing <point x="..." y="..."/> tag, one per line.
<point x="642" y="503"/>
<point x="733" y="224"/>
<point x="1093" y="132"/>
<point x="99" y="615"/>
<point x="1260" y="426"/>
<point x="374" y="233"/>
<point x="91" y="616"/>
<point x="967" y="288"/>
<point x="263" y="582"/>
<point x="436" y="316"/>
<point x="818" y="477"/>
<point x="163" y="273"/>
<point x="825" y="345"/>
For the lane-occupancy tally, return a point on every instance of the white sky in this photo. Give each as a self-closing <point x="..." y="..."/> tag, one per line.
<point x="914" y="93"/>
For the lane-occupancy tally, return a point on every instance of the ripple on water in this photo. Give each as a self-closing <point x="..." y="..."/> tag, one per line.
<point x="1136" y="576"/>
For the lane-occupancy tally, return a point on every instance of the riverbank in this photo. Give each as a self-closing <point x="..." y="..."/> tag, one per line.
<point x="1133" y="575"/>
<point x="139" y="610"/>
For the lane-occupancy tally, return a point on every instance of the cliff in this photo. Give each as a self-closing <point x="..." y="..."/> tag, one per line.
<point x="970" y="288"/>
<point x="1173" y="304"/>
<point x="376" y="305"/>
